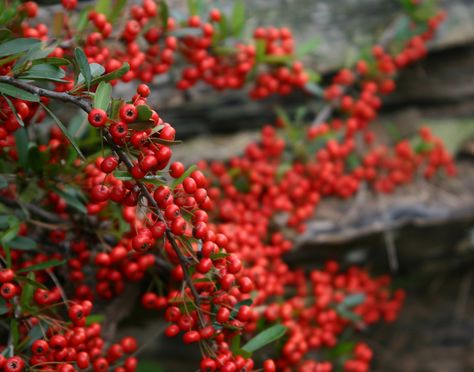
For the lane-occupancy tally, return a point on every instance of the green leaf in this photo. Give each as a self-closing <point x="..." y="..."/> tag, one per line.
<point x="35" y="158"/>
<point x="103" y="95"/>
<point x="353" y="300"/>
<point x="186" y="174"/>
<point x="195" y="7"/>
<point x="3" y="307"/>
<point x="238" y="18"/>
<point x="12" y="107"/>
<point x="33" y="54"/>
<point x="44" y="72"/>
<point x="3" y="184"/>
<point x="54" y="61"/>
<point x="28" y="291"/>
<point x="144" y="113"/>
<point x="186" y="31"/>
<point x="96" y="71"/>
<point x="12" y="91"/>
<point x="265" y="337"/>
<point x="22" y="243"/>
<point x="83" y="65"/>
<point x="96" y="318"/>
<point x="218" y="256"/>
<point x="64" y="130"/>
<point x="41" y="266"/>
<point x="308" y="46"/>
<point x="117" y="10"/>
<point x="237" y="349"/>
<point x="36" y="333"/>
<point x="21" y="140"/>
<point x="164" y="13"/>
<point x="7" y="14"/>
<point x="83" y="19"/>
<point x="314" y="89"/>
<point x="17" y="45"/>
<point x="72" y="198"/>
<point x="123" y="175"/>
<point x="223" y="27"/>
<point x="115" y="107"/>
<point x="4" y="34"/>
<point x="260" y="48"/>
<point x="12" y="230"/>
<point x="14" y="332"/>
<point x="103" y="6"/>
<point x="34" y="283"/>
<point x="114" y="75"/>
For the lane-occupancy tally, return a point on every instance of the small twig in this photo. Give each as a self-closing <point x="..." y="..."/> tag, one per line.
<point x="33" y="209"/>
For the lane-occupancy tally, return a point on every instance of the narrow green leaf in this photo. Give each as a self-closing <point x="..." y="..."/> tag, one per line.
<point x="103" y="6"/>
<point x="114" y="75"/>
<point x="353" y="300"/>
<point x="123" y="175"/>
<point x="238" y="18"/>
<point x="36" y="333"/>
<point x="83" y="19"/>
<point x="115" y="107"/>
<point x="117" y="10"/>
<point x="103" y="95"/>
<point x="21" y="141"/>
<point x="27" y="291"/>
<point x="44" y="72"/>
<point x="186" y="31"/>
<point x="64" y="130"/>
<point x="3" y="307"/>
<point x="83" y="65"/>
<point x="12" y="91"/>
<point x="195" y="7"/>
<point x="237" y="349"/>
<point x="22" y="243"/>
<point x="265" y="337"/>
<point x="12" y="107"/>
<point x="5" y="34"/>
<point x="17" y="45"/>
<point x="35" y="158"/>
<point x="72" y="199"/>
<point x="41" y="266"/>
<point x="164" y="13"/>
<point x="260" y="48"/>
<point x="186" y="174"/>
<point x="33" y="54"/>
<point x="14" y="332"/>
<point x="96" y="318"/>
<point x="308" y="46"/>
<point x="54" y="61"/>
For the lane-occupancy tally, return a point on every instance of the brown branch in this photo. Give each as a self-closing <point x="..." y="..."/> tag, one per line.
<point x="85" y="105"/>
<point x="33" y="209"/>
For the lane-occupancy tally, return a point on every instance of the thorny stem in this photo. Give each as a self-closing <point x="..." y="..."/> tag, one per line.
<point x="85" y="105"/>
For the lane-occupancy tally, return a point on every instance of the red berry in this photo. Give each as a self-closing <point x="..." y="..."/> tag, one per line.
<point x="97" y="117"/>
<point x="40" y="347"/>
<point x="191" y="336"/>
<point x="128" y="113"/>
<point x="143" y="90"/>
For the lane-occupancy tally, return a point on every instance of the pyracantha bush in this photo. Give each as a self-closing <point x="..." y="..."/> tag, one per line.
<point x="82" y="222"/>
